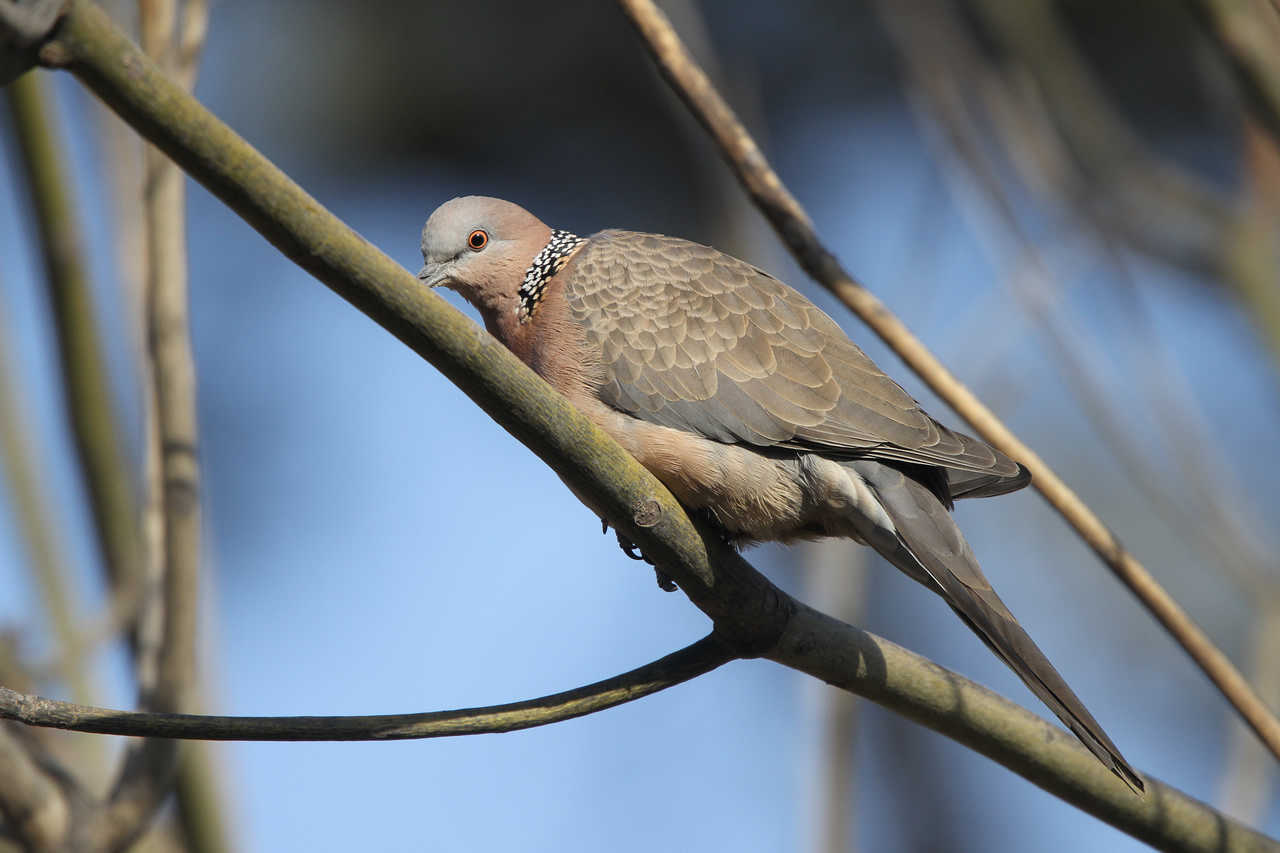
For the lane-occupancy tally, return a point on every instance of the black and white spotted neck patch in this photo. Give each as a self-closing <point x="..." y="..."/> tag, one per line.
<point x="549" y="261"/>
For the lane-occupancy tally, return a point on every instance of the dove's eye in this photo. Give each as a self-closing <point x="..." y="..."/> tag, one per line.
<point x="477" y="240"/>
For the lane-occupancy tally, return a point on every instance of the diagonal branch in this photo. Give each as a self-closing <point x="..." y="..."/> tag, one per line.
<point x="751" y="616"/>
<point x="792" y="223"/>
<point x="941" y="68"/>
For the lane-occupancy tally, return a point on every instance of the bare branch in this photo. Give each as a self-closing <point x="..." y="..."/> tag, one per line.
<point x="99" y="441"/>
<point x="167" y="624"/>
<point x="1247" y="786"/>
<point x="191" y="36"/>
<point x="18" y="458"/>
<point x="34" y="807"/>
<point x="797" y="231"/>
<point x="676" y="668"/>
<point x="1254" y="255"/>
<point x="1249" y="31"/>
<point x="38" y="137"/>
<point x="835" y="574"/>
<point x="38" y="800"/>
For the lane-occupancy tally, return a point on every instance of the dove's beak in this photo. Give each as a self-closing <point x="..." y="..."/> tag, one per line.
<point x="433" y="275"/>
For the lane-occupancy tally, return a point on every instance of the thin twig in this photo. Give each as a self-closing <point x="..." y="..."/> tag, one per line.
<point x="676" y="668"/>
<point x="191" y="38"/>
<point x="99" y="441"/>
<point x="19" y="461"/>
<point x="793" y="224"/>
<point x="1254" y="249"/>
<point x="34" y="808"/>
<point x="167" y="623"/>
<point x="43" y="161"/>
<point x="1246" y="788"/>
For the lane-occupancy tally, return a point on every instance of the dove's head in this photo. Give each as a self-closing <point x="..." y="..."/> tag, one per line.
<point x="482" y="247"/>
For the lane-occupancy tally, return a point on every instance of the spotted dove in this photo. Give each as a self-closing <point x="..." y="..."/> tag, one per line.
<point x="747" y="401"/>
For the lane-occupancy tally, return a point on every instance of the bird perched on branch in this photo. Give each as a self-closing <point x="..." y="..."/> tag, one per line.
<point x="747" y="401"/>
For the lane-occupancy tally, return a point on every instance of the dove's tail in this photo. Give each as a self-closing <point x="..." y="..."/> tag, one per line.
<point x="929" y="547"/>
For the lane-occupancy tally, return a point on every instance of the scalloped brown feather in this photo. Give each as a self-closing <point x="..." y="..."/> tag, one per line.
<point x="697" y="340"/>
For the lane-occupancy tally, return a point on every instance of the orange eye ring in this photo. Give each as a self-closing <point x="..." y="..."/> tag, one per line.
<point x="477" y="240"/>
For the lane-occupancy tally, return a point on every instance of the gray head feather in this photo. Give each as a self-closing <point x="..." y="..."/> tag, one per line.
<point x="467" y="239"/>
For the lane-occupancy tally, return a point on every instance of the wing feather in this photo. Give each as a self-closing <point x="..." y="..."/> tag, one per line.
<point x="694" y="339"/>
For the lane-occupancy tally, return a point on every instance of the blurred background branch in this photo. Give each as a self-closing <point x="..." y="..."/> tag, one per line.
<point x="834" y="573"/>
<point x="106" y="462"/>
<point x="167" y="635"/>
<point x="1248" y="31"/>
<point x="101" y="448"/>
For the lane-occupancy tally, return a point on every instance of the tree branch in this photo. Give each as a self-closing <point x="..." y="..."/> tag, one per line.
<point x="751" y="616"/>
<point x="919" y="689"/>
<point x="19" y="458"/>
<point x="698" y="659"/>
<point x="167" y="625"/>
<point x="1248" y="30"/>
<point x="98" y="439"/>
<point x="793" y="225"/>
<point x="34" y="808"/>
<point x="839" y="654"/>
<point x="20" y="471"/>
